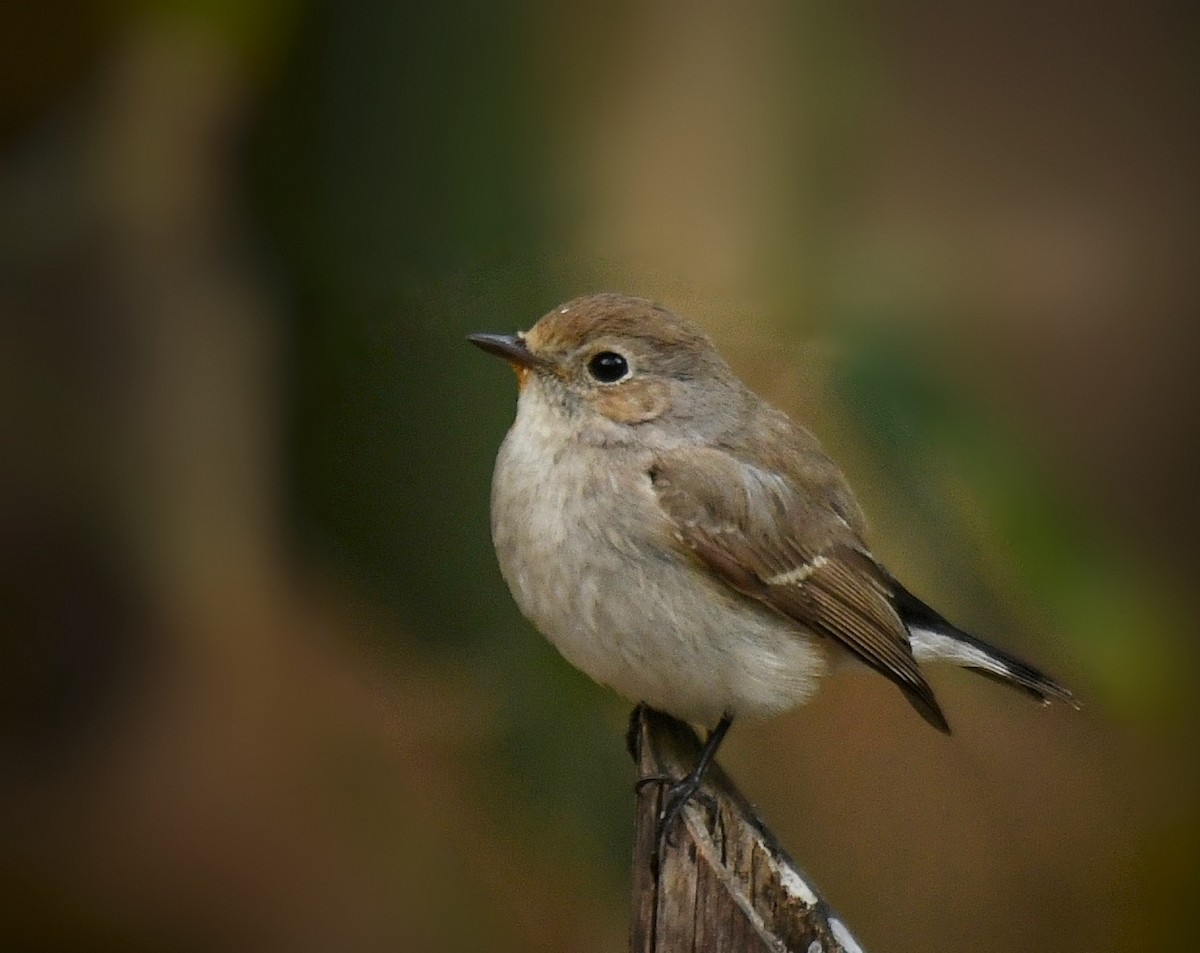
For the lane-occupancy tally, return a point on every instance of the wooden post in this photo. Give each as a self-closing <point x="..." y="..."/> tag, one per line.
<point x="723" y="882"/>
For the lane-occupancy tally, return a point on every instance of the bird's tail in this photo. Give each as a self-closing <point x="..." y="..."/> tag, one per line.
<point x="932" y="637"/>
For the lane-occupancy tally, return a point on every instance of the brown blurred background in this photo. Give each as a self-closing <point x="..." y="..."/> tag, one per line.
<point x="261" y="686"/>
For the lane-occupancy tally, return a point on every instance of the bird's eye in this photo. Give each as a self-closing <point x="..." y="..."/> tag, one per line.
<point x="608" y="367"/>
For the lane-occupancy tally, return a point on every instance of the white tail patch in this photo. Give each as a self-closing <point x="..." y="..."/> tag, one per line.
<point x="928" y="645"/>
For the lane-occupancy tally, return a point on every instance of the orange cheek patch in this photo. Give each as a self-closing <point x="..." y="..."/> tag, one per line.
<point x="632" y="403"/>
<point x="522" y="373"/>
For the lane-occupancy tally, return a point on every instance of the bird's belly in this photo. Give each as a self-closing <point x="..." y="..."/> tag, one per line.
<point x="667" y="636"/>
<point x="624" y="605"/>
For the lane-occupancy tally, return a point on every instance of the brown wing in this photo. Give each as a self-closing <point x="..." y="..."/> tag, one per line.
<point x="793" y="553"/>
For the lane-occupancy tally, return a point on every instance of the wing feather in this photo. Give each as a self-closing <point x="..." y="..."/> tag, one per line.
<point x="792" y="552"/>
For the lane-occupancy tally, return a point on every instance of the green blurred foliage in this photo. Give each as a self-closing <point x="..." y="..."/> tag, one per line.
<point x="392" y="181"/>
<point x="398" y="178"/>
<point x="1077" y="583"/>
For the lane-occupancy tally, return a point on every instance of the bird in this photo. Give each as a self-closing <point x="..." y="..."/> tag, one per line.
<point x="682" y="541"/>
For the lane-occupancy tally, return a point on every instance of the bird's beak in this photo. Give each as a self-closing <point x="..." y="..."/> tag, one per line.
<point x="512" y="348"/>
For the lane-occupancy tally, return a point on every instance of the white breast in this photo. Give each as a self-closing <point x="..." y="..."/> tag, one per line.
<point x="591" y="561"/>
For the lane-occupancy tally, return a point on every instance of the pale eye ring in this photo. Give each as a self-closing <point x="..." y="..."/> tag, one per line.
<point x="608" y="367"/>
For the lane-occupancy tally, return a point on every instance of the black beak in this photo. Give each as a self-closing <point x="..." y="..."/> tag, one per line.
<point x="511" y="347"/>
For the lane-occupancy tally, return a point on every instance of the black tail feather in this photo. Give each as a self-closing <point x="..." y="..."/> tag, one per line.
<point x="1009" y="670"/>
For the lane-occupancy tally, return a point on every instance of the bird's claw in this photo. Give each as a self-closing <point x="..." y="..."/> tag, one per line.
<point x="676" y="797"/>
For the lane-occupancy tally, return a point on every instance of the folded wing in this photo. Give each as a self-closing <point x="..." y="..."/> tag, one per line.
<point x="794" y="553"/>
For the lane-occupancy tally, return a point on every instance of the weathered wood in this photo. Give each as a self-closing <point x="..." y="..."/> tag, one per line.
<point x="723" y="882"/>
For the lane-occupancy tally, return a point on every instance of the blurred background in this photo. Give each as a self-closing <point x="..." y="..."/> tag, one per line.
<point x="261" y="685"/>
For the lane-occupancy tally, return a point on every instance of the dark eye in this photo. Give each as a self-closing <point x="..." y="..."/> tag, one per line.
<point x="608" y="367"/>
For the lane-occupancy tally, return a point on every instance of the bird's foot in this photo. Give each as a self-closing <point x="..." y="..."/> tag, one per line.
<point x="677" y="795"/>
<point x="680" y="791"/>
<point x="703" y="797"/>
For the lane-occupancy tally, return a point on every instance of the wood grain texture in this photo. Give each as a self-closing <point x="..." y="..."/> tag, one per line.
<point x="723" y="882"/>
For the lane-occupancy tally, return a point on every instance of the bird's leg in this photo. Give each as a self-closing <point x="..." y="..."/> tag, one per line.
<point x="687" y="787"/>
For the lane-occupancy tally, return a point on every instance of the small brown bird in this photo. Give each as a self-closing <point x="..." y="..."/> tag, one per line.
<point x="681" y="540"/>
